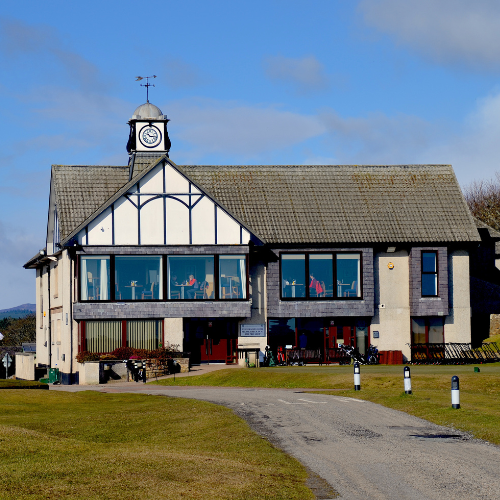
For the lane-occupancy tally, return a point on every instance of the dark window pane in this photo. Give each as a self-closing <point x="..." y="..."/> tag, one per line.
<point x="281" y="334"/>
<point x="429" y="284"/>
<point x="348" y="275"/>
<point x="94" y="278"/>
<point x="293" y="275"/>
<point x="428" y="262"/>
<point x="320" y="275"/>
<point x="138" y="277"/>
<point x="191" y="277"/>
<point x="232" y="277"/>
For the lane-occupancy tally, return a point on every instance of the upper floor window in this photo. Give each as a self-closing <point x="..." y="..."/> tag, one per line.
<point x="142" y="277"/>
<point x="429" y="274"/>
<point x="138" y="277"/>
<point x="94" y="277"/>
<point x="321" y="275"/>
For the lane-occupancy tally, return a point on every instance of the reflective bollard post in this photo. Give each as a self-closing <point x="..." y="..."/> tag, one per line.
<point x="357" y="377"/>
<point x="455" y="393"/>
<point x="407" y="380"/>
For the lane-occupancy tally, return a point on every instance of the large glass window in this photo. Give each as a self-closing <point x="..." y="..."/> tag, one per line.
<point x="191" y="277"/>
<point x="348" y="275"/>
<point x="138" y="277"/>
<point x="429" y="274"/>
<point x="144" y="334"/>
<point x="320" y="275"/>
<point x="94" y="278"/>
<point x="427" y="330"/>
<point x="293" y="275"/>
<point x="106" y="336"/>
<point x="103" y="336"/>
<point x="321" y="269"/>
<point x="232" y="277"/>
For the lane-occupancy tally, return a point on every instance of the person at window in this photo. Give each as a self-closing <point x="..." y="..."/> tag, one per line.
<point x="193" y="283"/>
<point x="315" y="288"/>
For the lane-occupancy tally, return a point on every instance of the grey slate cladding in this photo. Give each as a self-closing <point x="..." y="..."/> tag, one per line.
<point x="277" y="308"/>
<point x="143" y="310"/>
<point x="166" y="250"/>
<point x="428" y="306"/>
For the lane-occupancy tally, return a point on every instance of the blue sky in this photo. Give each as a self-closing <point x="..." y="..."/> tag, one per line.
<point x="260" y="82"/>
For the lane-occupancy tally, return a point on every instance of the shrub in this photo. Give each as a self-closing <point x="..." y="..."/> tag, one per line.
<point x="84" y="356"/>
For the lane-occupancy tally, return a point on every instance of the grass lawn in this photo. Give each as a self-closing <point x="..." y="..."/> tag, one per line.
<point x="21" y="384"/>
<point x="127" y="446"/>
<point x="431" y="399"/>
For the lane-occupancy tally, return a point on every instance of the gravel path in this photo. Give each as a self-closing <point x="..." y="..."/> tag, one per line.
<point x="363" y="450"/>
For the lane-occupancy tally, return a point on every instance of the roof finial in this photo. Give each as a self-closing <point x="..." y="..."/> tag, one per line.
<point x="147" y="84"/>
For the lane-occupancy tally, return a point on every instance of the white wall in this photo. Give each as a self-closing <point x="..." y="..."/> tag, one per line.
<point x="457" y="324"/>
<point x="392" y="302"/>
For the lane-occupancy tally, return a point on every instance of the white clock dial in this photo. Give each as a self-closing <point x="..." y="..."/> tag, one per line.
<point x="150" y="136"/>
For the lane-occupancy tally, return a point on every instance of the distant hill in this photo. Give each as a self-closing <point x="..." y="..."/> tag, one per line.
<point x="18" y="311"/>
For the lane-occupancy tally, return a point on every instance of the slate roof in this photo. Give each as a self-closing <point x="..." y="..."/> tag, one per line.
<point x="299" y="204"/>
<point x="80" y="190"/>
<point x="342" y="203"/>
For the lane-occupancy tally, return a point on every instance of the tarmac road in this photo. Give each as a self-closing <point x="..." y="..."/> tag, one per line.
<point x="363" y="450"/>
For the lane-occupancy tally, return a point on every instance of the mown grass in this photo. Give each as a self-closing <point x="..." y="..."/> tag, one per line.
<point x="126" y="446"/>
<point x="21" y="384"/>
<point x="431" y="386"/>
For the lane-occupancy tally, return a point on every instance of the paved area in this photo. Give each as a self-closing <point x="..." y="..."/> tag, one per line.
<point x="365" y="451"/>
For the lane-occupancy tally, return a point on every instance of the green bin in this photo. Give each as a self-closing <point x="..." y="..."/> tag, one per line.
<point x="53" y="375"/>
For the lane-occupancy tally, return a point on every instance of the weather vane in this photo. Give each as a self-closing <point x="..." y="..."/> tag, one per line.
<point x="147" y="84"/>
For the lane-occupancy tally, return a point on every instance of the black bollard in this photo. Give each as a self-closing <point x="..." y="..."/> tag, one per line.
<point x="455" y="392"/>
<point x="357" y="377"/>
<point x="407" y="380"/>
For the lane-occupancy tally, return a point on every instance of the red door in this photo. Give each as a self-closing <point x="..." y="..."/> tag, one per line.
<point x="214" y="349"/>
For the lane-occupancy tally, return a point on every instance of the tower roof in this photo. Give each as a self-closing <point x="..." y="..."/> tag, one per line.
<point x="147" y="110"/>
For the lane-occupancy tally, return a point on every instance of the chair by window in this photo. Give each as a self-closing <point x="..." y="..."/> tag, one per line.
<point x="149" y="294"/>
<point x="353" y="291"/>
<point x="202" y="292"/>
<point x="323" y="286"/>
<point x="92" y="287"/>
<point x="118" y="294"/>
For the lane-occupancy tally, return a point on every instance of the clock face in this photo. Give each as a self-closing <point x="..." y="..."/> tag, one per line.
<point x="150" y="136"/>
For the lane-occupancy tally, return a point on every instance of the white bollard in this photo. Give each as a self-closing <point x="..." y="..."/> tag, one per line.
<point x="455" y="392"/>
<point x="357" y="377"/>
<point x="407" y="380"/>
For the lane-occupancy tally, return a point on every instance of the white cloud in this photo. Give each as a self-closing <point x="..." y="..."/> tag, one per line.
<point x="304" y="74"/>
<point x="446" y="31"/>
<point x="211" y="126"/>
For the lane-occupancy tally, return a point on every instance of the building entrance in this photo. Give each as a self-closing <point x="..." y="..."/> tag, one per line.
<point x="211" y="340"/>
<point x="316" y="340"/>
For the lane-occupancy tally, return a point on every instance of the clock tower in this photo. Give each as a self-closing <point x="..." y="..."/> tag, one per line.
<point x="148" y="131"/>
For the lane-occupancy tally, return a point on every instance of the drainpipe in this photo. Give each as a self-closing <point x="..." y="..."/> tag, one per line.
<point x="71" y="270"/>
<point x="49" y="317"/>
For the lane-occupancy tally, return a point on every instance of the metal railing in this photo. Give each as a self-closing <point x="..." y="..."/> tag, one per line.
<point x="454" y="353"/>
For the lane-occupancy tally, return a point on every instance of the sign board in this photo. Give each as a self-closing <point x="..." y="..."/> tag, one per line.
<point x="7" y="360"/>
<point x="375" y="335"/>
<point x="253" y="330"/>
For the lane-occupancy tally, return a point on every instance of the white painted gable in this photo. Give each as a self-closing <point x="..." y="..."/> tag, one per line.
<point x="164" y="208"/>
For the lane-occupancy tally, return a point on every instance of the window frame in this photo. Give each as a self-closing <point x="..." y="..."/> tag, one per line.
<point x="164" y="275"/>
<point x="333" y="254"/>
<point x="428" y="273"/>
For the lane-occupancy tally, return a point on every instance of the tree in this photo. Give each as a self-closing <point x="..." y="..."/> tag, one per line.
<point x="17" y="331"/>
<point x="483" y="198"/>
